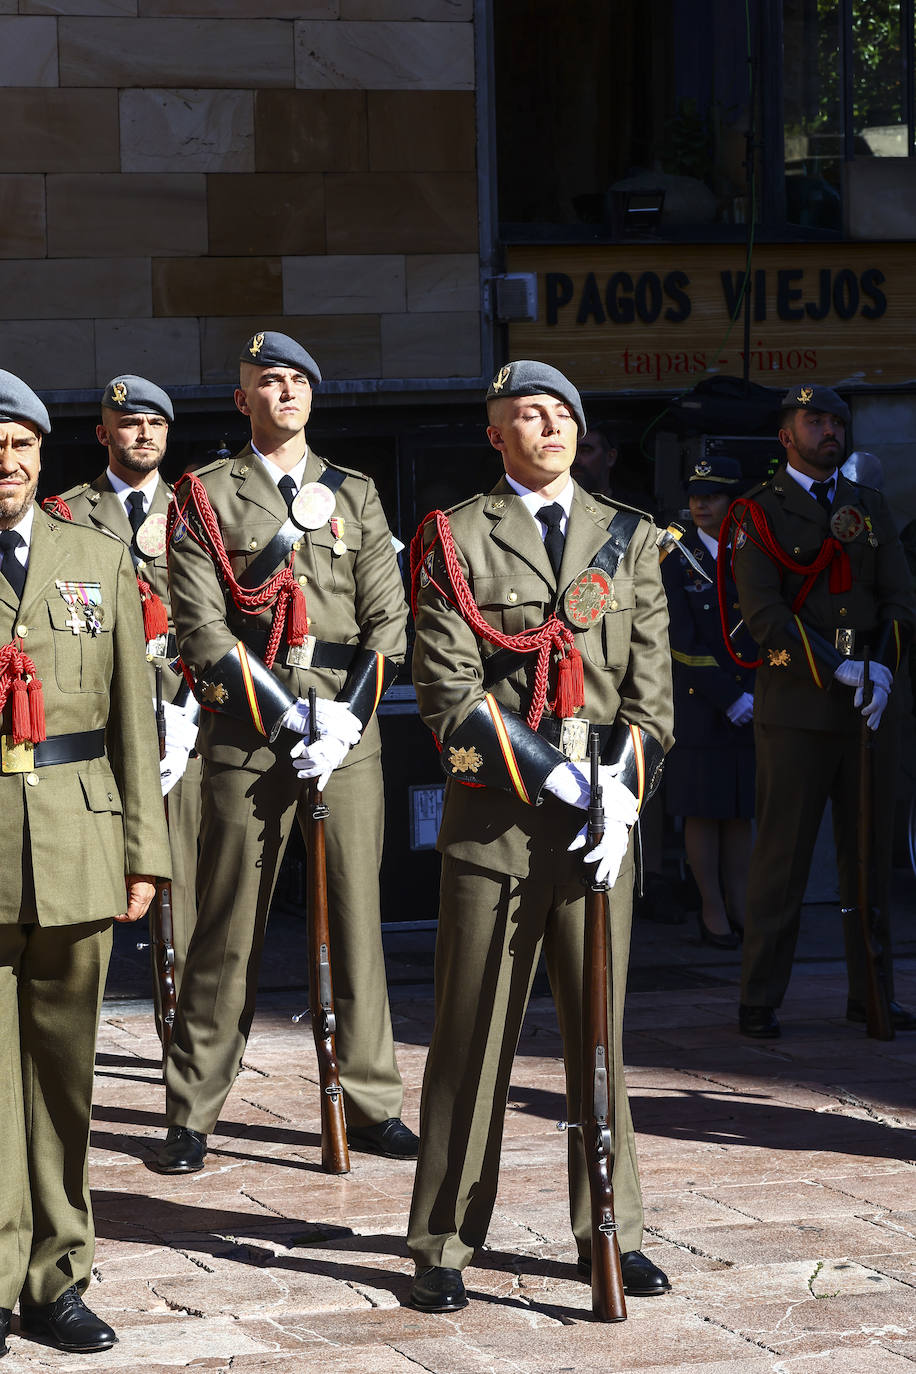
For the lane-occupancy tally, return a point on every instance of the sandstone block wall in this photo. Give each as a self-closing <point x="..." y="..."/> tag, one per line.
<point x="177" y="173"/>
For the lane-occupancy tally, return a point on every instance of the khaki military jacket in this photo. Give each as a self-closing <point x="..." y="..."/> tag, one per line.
<point x="626" y="661"/>
<point x="794" y="686"/>
<point x="354" y="596"/>
<point x="82" y="827"/>
<point x="98" y="505"/>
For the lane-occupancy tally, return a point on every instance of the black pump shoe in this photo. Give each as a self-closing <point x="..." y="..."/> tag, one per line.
<point x="711" y="937"/>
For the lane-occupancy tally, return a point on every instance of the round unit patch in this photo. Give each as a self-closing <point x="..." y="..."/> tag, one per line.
<point x="150" y="537"/>
<point x="313" y="506"/>
<point x="846" y="523"/>
<point x="589" y="597"/>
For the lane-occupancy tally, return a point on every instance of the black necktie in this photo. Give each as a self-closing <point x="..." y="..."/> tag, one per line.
<point x="287" y="488"/>
<point x="11" y="568"/>
<point x="552" y="517"/>
<point x="821" y="493"/>
<point x="135" y="511"/>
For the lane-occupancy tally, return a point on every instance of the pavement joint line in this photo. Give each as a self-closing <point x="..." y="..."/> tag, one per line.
<point x="194" y="1259"/>
<point x="698" y="1192"/>
<point x="278" y="1116"/>
<point x="691" y="1249"/>
<point x="740" y="1335"/>
<point x="253" y="1068"/>
<point x="267" y="1208"/>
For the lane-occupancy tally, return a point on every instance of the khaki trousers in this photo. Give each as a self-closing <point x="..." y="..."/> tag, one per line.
<point x="245" y="824"/>
<point x="797" y="770"/>
<point x="491" y="931"/>
<point x="51" y="983"/>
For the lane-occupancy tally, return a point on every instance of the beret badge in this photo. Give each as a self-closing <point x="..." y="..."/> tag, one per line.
<point x="119" y="393"/>
<point x="804" y="396"/>
<point x="257" y="343"/>
<point x="502" y="376"/>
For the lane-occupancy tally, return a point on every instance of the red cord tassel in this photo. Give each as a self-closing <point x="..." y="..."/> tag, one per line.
<point x="155" y="618"/>
<point x="20" y="721"/>
<point x="297" y="625"/>
<point x="37" y="711"/>
<point x="570" y="693"/>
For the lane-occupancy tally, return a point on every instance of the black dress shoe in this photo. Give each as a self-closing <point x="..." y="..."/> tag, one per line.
<point x="901" y="1019"/>
<point x="391" y="1138"/>
<point x="68" y="1324"/>
<point x="641" y="1278"/>
<point x="6" y="1317"/>
<point x="760" y="1022"/>
<point x="438" y="1290"/>
<point x="183" y="1152"/>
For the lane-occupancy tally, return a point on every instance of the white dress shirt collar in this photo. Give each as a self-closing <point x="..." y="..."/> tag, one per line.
<point x="807" y="482"/>
<point x="123" y="489"/>
<point x="534" y="501"/>
<point x="275" y="473"/>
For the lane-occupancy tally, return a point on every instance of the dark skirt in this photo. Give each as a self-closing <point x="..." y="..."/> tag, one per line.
<point x="715" y="781"/>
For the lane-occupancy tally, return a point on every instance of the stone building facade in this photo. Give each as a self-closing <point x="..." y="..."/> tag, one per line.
<point x="177" y="173"/>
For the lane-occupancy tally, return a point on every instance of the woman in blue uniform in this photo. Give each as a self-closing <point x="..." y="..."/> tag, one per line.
<point x="710" y="772"/>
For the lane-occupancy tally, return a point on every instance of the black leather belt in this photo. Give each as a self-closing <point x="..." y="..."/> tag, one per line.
<point x="313" y="653"/>
<point x="551" y="727"/>
<point x="78" y="748"/>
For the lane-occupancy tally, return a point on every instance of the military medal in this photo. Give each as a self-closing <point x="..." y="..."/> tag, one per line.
<point x="313" y="506"/>
<point x="150" y="537"/>
<point x="847" y="523"/>
<point x="83" y="598"/>
<point x="872" y="537"/>
<point x="337" y="529"/>
<point x="589" y="597"/>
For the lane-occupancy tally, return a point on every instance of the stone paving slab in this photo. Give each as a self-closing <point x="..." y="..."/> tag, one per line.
<point x="779" y="1181"/>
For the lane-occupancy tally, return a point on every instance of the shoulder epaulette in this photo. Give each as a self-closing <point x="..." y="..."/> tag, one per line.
<point x="621" y="505"/>
<point x="338" y="467"/>
<point x="74" y="491"/>
<point x="208" y="467"/>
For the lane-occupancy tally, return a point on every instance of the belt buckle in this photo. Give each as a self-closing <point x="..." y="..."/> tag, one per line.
<point x="300" y="655"/>
<point x="845" y="641"/>
<point x="16" y="758"/>
<point x="574" y="738"/>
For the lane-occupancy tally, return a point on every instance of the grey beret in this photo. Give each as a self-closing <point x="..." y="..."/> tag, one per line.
<point x="136" y="396"/>
<point x="715" y="474"/>
<point x="820" y="398"/>
<point x="279" y="350"/>
<point x="529" y="378"/>
<point x="19" y="402"/>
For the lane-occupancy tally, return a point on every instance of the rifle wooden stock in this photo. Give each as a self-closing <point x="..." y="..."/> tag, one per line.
<point x="595" y="1109"/>
<point x="162" y="930"/>
<point x="878" y="1023"/>
<point x="335" y="1154"/>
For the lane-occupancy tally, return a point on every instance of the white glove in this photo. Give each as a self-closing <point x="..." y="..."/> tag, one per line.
<point x="569" y="783"/>
<point x="333" y="718"/>
<point x="180" y="739"/>
<point x="851" y="672"/>
<point x="319" y="760"/>
<point x="609" y="854"/>
<point x="741" y="712"/>
<point x="875" y="708"/>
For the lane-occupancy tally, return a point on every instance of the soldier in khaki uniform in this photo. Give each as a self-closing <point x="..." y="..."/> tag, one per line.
<point x="283" y="576"/>
<point x="511" y="873"/>
<point x="821" y="577"/>
<point x="130" y="500"/>
<point x="85" y="839"/>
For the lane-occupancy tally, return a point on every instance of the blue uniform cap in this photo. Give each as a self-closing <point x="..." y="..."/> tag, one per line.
<point x="529" y="378"/>
<point x="718" y="473"/>
<point x="136" y="396"/>
<point x="807" y="396"/>
<point x="19" y="402"/>
<point x="269" y="349"/>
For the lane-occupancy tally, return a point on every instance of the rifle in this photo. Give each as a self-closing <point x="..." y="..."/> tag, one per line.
<point x="335" y="1155"/>
<point x="607" y="1281"/>
<point x="878" y="1022"/>
<point x="162" y="934"/>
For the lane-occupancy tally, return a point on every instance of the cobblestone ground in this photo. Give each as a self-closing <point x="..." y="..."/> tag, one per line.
<point x="779" y="1182"/>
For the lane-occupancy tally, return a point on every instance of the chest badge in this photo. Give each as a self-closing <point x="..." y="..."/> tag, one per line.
<point x="847" y="523"/>
<point x="313" y="506"/>
<point x="588" y="598"/>
<point x="83" y="598"/>
<point x="150" y="537"/>
<point x="337" y="529"/>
